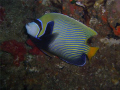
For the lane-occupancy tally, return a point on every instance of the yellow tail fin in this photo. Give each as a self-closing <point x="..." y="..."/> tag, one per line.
<point x="92" y="52"/>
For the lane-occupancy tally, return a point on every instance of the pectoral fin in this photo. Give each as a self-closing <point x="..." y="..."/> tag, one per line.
<point x="43" y="43"/>
<point x="48" y="39"/>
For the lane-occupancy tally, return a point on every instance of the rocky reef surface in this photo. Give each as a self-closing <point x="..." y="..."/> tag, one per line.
<point x="24" y="67"/>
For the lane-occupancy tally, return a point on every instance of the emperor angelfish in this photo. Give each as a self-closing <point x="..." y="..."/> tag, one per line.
<point x="62" y="36"/>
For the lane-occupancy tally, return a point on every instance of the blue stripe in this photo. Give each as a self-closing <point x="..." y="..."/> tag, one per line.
<point x="69" y="28"/>
<point x="70" y="42"/>
<point x="59" y="24"/>
<point x="63" y="48"/>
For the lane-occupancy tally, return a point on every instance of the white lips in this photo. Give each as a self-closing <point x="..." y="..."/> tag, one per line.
<point x="32" y="29"/>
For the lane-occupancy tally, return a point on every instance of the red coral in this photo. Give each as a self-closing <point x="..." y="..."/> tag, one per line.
<point x="117" y="31"/>
<point x="34" y="50"/>
<point x="17" y="49"/>
<point x="29" y="42"/>
<point x="104" y="19"/>
<point x="2" y="14"/>
<point x="79" y="12"/>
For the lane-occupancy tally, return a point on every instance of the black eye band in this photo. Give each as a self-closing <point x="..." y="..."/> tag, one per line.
<point x="39" y="24"/>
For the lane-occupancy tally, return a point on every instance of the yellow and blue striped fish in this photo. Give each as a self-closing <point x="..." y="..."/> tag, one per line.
<point x="62" y="36"/>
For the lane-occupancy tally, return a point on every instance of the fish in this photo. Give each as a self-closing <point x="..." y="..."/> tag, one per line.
<point x="62" y="36"/>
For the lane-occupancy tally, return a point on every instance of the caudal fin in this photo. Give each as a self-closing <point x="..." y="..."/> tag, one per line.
<point x="92" y="52"/>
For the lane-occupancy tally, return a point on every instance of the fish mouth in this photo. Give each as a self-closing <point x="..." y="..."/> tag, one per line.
<point x="27" y="26"/>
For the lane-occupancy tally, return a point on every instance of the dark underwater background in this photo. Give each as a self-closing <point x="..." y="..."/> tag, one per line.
<point x="24" y="67"/>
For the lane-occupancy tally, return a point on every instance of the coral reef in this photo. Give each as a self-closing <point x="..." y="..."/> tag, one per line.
<point x="2" y="14"/>
<point x="77" y="10"/>
<point x="17" y="49"/>
<point x="110" y="41"/>
<point x="116" y="29"/>
<point x="35" y="70"/>
<point x="34" y="50"/>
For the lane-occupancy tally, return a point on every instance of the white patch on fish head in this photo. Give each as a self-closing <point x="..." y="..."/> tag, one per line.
<point x="32" y="29"/>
